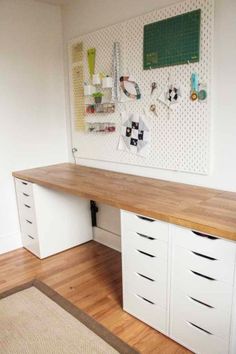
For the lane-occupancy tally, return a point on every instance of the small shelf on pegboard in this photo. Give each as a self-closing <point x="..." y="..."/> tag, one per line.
<point x="106" y="127"/>
<point x="94" y="108"/>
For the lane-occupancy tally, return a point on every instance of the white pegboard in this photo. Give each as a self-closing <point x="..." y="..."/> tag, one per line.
<point x="179" y="141"/>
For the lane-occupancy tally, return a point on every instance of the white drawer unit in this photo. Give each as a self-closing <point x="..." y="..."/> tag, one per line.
<point x="202" y="291"/>
<point x="144" y="264"/>
<point x="181" y="282"/>
<point x="51" y="221"/>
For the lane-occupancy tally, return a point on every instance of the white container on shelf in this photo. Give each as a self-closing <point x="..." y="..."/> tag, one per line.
<point x="89" y="90"/>
<point x="107" y="82"/>
<point x="96" y="79"/>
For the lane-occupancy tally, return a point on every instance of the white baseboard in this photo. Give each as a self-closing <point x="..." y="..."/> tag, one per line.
<point x="10" y="242"/>
<point x="107" y="238"/>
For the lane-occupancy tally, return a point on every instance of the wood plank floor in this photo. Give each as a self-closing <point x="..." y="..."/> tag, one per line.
<point x="90" y="277"/>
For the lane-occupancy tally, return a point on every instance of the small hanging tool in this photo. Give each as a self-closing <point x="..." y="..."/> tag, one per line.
<point x="194" y="87"/>
<point x="153" y="109"/>
<point x="91" y="54"/>
<point x="153" y="87"/>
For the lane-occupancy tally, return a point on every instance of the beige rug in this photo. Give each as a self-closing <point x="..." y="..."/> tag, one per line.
<point x="34" y="319"/>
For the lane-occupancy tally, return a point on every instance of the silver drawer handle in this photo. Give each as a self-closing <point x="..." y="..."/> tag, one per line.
<point x="32" y="238"/>
<point x="27" y="206"/>
<point x="145" y="218"/>
<point x="146" y="254"/>
<point x="144" y="298"/>
<point x="203" y="276"/>
<point x="204" y="256"/>
<point x="26" y="195"/>
<point x="29" y="222"/>
<point x="200" y="328"/>
<point x="145" y="277"/>
<point x="200" y="234"/>
<point x="200" y="302"/>
<point x="145" y="236"/>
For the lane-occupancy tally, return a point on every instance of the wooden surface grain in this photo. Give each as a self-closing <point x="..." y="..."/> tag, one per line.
<point x="207" y="210"/>
<point x="89" y="276"/>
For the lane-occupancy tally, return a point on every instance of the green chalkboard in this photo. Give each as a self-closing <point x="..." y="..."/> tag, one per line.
<point x="173" y="41"/>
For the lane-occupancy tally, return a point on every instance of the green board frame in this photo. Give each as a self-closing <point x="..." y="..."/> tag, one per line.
<point x="173" y="41"/>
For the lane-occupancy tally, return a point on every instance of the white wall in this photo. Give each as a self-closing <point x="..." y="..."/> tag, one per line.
<point x="84" y="16"/>
<point x="32" y="109"/>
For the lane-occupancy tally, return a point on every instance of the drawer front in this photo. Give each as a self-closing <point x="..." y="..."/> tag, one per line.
<point x="23" y="186"/>
<point x="144" y="225"/>
<point x="150" y="265"/>
<point x="148" y="288"/>
<point x="150" y="245"/>
<point x="201" y="263"/>
<point x="214" y="293"/>
<point x="210" y="246"/>
<point x="196" y="339"/>
<point x="215" y="321"/>
<point x="31" y="243"/>
<point x="26" y="211"/>
<point x="28" y="226"/>
<point x="25" y="199"/>
<point x="150" y="313"/>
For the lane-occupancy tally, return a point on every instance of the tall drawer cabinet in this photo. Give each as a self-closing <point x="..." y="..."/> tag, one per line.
<point x="145" y="269"/>
<point x="180" y="282"/>
<point x="51" y="221"/>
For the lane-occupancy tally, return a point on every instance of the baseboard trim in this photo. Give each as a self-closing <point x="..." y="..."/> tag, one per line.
<point x="10" y="242"/>
<point x="107" y="238"/>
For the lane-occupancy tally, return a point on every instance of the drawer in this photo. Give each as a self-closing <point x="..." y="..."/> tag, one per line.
<point x="150" y="245"/>
<point x="144" y="225"/>
<point x="23" y="186"/>
<point x="148" y="288"/>
<point x="31" y="243"/>
<point x="214" y="293"/>
<point x="205" y="244"/>
<point x="149" y="264"/>
<point x="151" y="314"/>
<point x="25" y="199"/>
<point x="196" y="339"/>
<point x="28" y="226"/>
<point x="214" y="320"/>
<point x="199" y="262"/>
<point x="26" y="211"/>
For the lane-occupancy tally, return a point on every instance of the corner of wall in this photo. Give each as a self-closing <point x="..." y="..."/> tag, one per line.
<point x="10" y="242"/>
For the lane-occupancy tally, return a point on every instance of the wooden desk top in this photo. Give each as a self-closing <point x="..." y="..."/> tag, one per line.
<point x="207" y="210"/>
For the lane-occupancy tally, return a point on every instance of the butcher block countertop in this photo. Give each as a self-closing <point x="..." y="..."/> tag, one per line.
<point x="206" y="210"/>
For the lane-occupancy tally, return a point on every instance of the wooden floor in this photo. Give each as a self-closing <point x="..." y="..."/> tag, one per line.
<point x="90" y="277"/>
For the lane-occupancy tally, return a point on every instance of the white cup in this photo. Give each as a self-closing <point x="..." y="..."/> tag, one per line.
<point x="107" y="82"/>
